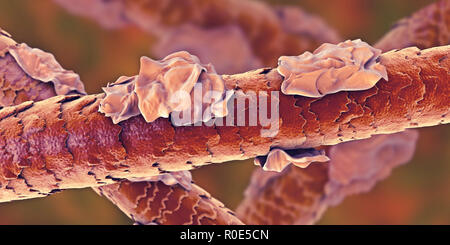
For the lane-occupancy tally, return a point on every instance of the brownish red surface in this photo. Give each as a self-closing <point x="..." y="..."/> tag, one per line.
<point x="416" y="193"/>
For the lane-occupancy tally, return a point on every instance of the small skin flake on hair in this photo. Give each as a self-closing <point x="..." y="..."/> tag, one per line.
<point x="41" y="66"/>
<point x="183" y="178"/>
<point x="278" y="159"/>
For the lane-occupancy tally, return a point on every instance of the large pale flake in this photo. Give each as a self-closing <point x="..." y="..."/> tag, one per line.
<point x="167" y="86"/>
<point x="350" y="65"/>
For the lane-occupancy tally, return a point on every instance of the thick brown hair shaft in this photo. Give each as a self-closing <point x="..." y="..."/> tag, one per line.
<point x="64" y="142"/>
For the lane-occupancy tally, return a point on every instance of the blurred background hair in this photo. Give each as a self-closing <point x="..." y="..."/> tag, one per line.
<point x="416" y="193"/>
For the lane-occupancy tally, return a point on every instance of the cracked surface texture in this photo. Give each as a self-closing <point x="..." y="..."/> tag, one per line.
<point x="432" y="30"/>
<point x="17" y="87"/>
<point x="156" y="202"/>
<point x="64" y="145"/>
<point x="310" y="183"/>
<point x="13" y="78"/>
<point x="301" y="196"/>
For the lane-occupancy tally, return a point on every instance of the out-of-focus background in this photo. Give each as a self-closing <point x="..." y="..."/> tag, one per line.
<point x="416" y="193"/>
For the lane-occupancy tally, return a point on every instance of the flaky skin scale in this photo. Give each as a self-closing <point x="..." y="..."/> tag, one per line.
<point x="426" y="28"/>
<point x="155" y="202"/>
<point x="294" y="43"/>
<point x="301" y="196"/>
<point x="64" y="142"/>
<point x="17" y="87"/>
<point x="298" y="38"/>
